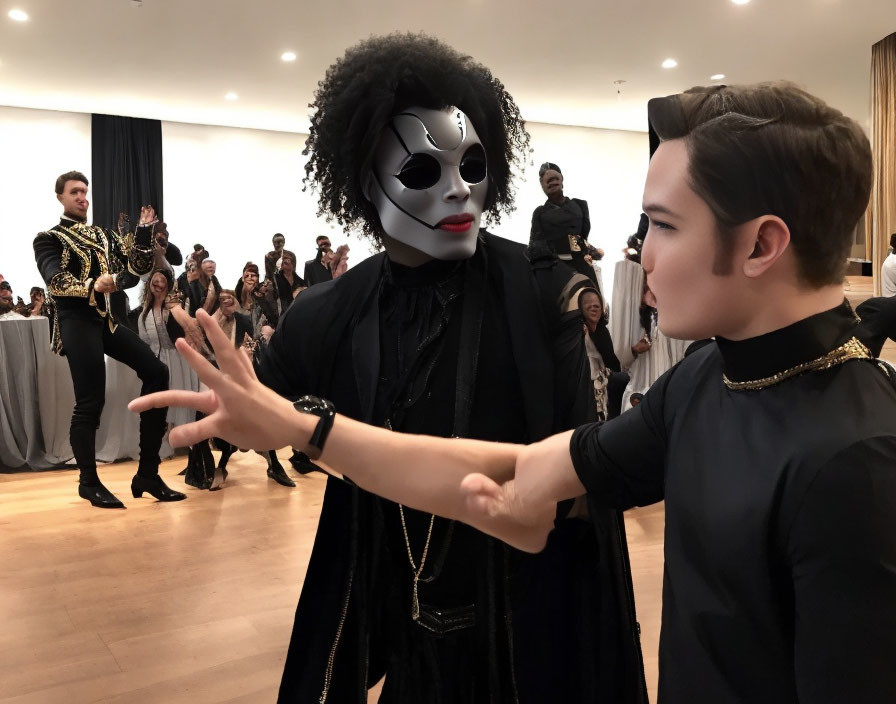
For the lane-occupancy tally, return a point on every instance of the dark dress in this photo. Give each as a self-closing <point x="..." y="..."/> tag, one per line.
<point x="780" y="574"/>
<point x="564" y="229"/>
<point x="477" y="349"/>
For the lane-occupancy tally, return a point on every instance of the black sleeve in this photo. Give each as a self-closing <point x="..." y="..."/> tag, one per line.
<point x="536" y="232"/>
<point x="878" y="322"/>
<point x="173" y="327"/>
<point x="309" y="276"/>
<point x="586" y="219"/>
<point x="60" y="282"/>
<point x="622" y="462"/>
<point x="173" y="255"/>
<point x="842" y="551"/>
<point x="280" y="367"/>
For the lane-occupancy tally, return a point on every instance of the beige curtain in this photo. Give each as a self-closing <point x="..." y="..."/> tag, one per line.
<point x="880" y="220"/>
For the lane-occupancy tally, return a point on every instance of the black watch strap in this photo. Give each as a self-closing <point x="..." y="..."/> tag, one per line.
<point x="326" y="413"/>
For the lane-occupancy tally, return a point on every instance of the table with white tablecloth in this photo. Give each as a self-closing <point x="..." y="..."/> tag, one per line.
<point x="37" y="398"/>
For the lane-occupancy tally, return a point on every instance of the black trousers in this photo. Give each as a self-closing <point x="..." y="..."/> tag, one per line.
<point x="86" y="338"/>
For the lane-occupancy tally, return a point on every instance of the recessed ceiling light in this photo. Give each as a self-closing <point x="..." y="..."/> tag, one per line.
<point x="288" y="56"/>
<point x="717" y="76"/>
<point x="18" y="15"/>
<point x="670" y="63"/>
<point x="231" y="96"/>
<point x="740" y="2"/>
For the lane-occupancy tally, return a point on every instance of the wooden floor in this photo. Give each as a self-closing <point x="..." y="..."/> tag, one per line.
<point x="186" y="602"/>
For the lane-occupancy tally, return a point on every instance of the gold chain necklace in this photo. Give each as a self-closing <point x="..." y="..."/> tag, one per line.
<point x="417" y="571"/>
<point x="852" y="349"/>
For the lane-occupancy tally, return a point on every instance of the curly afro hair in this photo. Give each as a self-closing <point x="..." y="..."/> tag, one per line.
<point x="383" y="76"/>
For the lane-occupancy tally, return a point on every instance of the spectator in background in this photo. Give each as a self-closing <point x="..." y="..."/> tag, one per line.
<point x="8" y="308"/>
<point x="164" y="253"/>
<point x="888" y="270"/>
<point x="39" y="304"/>
<point x="272" y="257"/>
<point x="160" y="323"/>
<point x="245" y="286"/>
<point x="599" y="348"/>
<point x="315" y="270"/>
<point x="288" y="284"/>
<point x="205" y="289"/>
<point x="562" y="223"/>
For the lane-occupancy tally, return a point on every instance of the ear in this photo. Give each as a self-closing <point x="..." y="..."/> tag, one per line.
<point x="770" y="238"/>
<point x="59" y="197"/>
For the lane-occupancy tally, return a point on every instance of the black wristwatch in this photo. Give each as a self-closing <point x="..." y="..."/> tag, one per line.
<point x="326" y="413"/>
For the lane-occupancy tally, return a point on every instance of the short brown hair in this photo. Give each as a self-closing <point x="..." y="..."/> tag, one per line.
<point x="774" y="149"/>
<point x="69" y="176"/>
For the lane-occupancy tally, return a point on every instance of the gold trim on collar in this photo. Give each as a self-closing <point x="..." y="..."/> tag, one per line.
<point x="852" y="349"/>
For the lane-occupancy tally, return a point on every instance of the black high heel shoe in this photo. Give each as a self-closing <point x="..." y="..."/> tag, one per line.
<point x="279" y="475"/>
<point x="155" y="487"/>
<point x="99" y="496"/>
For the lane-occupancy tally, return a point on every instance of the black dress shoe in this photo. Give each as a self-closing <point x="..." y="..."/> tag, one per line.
<point x="156" y="487"/>
<point x="303" y="464"/>
<point x="99" y="496"/>
<point x="278" y="474"/>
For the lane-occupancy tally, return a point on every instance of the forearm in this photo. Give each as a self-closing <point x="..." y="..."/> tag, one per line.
<point x="416" y="470"/>
<point x="545" y="473"/>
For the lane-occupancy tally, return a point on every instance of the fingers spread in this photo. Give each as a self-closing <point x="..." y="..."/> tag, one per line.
<point x="192" y="433"/>
<point x="225" y="352"/>
<point x="203" y="368"/>
<point x="204" y="402"/>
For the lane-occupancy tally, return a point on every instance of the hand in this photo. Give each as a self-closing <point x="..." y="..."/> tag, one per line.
<point x="192" y="332"/>
<point x="238" y="407"/>
<point x="105" y="284"/>
<point x="641" y="346"/>
<point x="147" y="215"/>
<point x="517" y="511"/>
<point x="588" y="259"/>
<point x="267" y="331"/>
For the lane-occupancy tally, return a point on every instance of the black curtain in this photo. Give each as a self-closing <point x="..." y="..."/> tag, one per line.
<point x="127" y="168"/>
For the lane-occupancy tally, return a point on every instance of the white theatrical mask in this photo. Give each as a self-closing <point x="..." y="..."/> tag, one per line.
<point x="429" y="182"/>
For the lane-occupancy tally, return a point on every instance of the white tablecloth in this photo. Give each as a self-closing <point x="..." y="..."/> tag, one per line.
<point x="37" y="398"/>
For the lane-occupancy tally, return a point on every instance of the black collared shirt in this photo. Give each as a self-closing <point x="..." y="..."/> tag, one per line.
<point x="780" y="545"/>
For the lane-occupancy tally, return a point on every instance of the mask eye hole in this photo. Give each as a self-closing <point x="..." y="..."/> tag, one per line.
<point x="419" y="172"/>
<point x="473" y="167"/>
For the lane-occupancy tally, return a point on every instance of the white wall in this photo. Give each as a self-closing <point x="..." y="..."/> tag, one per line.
<point x="35" y="147"/>
<point x="231" y="189"/>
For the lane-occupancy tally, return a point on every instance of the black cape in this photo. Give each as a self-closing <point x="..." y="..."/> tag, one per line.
<point x="569" y="627"/>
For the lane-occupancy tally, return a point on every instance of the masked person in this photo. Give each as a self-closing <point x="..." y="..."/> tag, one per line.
<point x="86" y="269"/>
<point x="451" y="332"/>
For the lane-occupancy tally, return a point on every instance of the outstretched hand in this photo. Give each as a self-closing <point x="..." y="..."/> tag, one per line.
<point x="238" y="407"/>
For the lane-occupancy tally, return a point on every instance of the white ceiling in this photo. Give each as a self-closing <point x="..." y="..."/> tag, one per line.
<point x="176" y="59"/>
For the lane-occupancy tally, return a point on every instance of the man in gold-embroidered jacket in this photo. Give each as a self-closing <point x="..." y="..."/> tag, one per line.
<point x="86" y="269"/>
